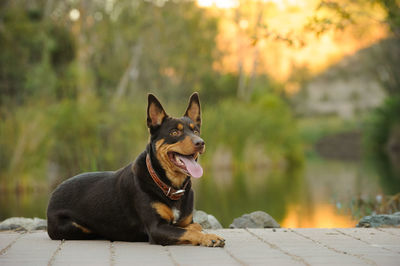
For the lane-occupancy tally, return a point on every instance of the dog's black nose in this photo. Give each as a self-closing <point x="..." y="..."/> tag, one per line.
<point x="199" y="143"/>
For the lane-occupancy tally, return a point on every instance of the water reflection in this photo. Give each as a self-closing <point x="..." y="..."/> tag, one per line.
<point x="319" y="195"/>
<point x="320" y="215"/>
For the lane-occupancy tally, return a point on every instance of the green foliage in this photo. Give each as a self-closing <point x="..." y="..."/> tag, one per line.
<point x="217" y="87"/>
<point x="117" y="48"/>
<point x="71" y="137"/>
<point x="382" y="122"/>
<point x="40" y="144"/>
<point x="266" y="123"/>
<point x="76" y="134"/>
<point x="33" y="55"/>
<point x="24" y="143"/>
<point x="72" y="92"/>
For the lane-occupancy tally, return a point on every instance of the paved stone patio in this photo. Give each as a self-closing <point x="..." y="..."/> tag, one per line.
<point x="350" y="246"/>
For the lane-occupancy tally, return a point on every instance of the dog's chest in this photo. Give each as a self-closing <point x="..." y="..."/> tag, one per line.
<point x="177" y="214"/>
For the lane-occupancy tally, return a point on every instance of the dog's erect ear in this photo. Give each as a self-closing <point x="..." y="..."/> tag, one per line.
<point x="193" y="111"/>
<point x="155" y="112"/>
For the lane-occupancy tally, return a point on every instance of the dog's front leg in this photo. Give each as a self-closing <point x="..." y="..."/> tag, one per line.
<point x="194" y="227"/>
<point x="162" y="231"/>
<point x="193" y="235"/>
<point x="167" y="234"/>
<point x="187" y="223"/>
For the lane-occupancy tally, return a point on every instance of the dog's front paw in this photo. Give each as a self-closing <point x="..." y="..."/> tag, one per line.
<point x="211" y="240"/>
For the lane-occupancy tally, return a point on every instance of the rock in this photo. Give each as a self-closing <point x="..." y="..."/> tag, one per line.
<point x="380" y="220"/>
<point x="40" y="224"/>
<point x="257" y="219"/>
<point x="23" y="224"/>
<point x="207" y="221"/>
<point x="214" y="223"/>
<point x="199" y="217"/>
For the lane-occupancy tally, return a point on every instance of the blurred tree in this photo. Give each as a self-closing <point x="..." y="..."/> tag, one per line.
<point x="136" y="45"/>
<point x="112" y="48"/>
<point x="34" y="54"/>
<point x="343" y="14"/>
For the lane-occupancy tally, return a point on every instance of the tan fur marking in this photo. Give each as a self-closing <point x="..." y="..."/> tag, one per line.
<point x="180" y="126"/>
<point x="185" y="146"/>
<point x="82" y="228"/>
<point x="163" y="210"/>
<point x="194" y="226"/>
<point x="198" y="238"/>
<point x="193" y="112"/>
<point x="191" y="125"/>
<point x="172" y="171"/>
<point x="159" y="143"/>
<point x="191" y="237"/>
<point x="186" y="221"/>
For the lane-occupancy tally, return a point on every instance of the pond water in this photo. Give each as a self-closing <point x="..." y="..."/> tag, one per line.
<point x="319" y="195"/>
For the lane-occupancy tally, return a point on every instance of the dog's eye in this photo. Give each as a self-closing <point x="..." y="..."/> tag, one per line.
<point x="175" y="132"/>
<point x="196" y="132"/>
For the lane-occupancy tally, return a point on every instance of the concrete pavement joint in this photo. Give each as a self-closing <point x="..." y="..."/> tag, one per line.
<point x="358" y="256"/>
<point x="234" y="257"/>
<point x="388" y="232"/>
<point x="171" y="256"/>
<point x="292" y="256"/>
<point x="4" y="250"/>
<point x="351" y="236"/>
<point x="365" y="242"/>
<point x="53" y="257"/>
<point x="112" y="253"/>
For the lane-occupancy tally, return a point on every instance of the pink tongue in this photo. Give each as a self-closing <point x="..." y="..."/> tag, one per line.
<point x="192" y="166"/>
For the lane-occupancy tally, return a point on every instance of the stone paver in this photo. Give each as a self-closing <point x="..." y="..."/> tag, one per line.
<point x="125" y="253"/>
<point x="84" y="253"/>
<point x="304" y="250"/>
<point x="30" y="249"/>
<point x="7" y="239"/>
<point x="350" y="246"/>
<point x="392" y="231"/>
<point x="341" y="242"/>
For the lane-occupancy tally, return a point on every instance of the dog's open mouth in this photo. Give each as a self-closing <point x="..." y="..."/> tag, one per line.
<point x="187" y="163"/>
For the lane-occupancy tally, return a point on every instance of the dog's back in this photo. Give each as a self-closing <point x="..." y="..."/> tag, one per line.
<point x="93" y="196"/>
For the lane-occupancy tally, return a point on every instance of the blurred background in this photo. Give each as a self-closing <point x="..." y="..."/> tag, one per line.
<point x="300" y="100"/>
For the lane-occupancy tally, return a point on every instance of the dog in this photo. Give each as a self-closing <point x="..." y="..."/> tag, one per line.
<point x="149" y="200"/>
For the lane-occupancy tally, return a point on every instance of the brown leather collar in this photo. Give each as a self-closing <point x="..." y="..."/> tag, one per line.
<point x="170" y="192"/>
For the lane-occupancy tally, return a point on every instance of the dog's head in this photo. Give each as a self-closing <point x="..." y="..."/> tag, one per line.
<point x="176" y="142"/>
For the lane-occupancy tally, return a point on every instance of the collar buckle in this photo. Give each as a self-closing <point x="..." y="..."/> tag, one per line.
<point x="179" y="192"/>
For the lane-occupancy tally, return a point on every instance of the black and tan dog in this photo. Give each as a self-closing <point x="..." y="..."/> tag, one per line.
<point x="149" y="200"/>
